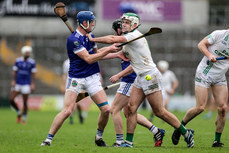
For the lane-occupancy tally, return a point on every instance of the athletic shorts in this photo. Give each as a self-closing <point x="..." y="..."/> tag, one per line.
<point x="206" y="81"/>
<point x="125" y="88"/>
<point x="23" y="89"/>
<point x="150" y="86"/>
<point x="91" y="84"/>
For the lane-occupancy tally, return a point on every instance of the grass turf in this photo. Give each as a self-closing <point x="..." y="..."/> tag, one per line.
<point x="27" y="138"/>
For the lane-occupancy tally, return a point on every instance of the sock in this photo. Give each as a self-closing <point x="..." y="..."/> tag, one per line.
<point x="99" y="134"/>
<point x="210" y="114"/>
<point x="182" y="129"/>
<point x="153" y="129"/>
<point x="217" y="136"/>
<point x="119" y="138"/>
<point x="84" y="114"/>
<point x="24" y="117"/>
<point x="18" y="112"/>
<point x="183" y="123"/>
<point x="49" y="138"/>
<point x="70" y="119"/>
<point x="129" y="137"/>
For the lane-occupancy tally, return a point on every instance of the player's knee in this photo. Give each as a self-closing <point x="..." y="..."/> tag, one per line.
<point x="66" y="113"/>
<point x="222" y="110"/>
<point x="105" y="109"/>
<point x="200" y="109"/>
<point x="159" y="112"/>
<point x="113" y="111"/>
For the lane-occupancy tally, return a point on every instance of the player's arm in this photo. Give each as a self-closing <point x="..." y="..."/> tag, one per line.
<point x="14" y="76"/>
<point x="121" y="74"/>
<point x="92" y="58"/>
<point x="174" y="86"/>
<point x="203" y="47"/>
<point x="33" y="81"/>
<point x="109" y="39"/>
<point x="116" y="55"/>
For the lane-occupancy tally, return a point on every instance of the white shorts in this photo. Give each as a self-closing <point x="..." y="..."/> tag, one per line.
<point x="125" y="88"/>
<point x="23" y="89"/>
<point x="91" y="84"/>
<point x="206" y="81"/>
<point x="150" y="86"/>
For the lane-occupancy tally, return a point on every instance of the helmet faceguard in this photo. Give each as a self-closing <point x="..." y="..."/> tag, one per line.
<point x="133" y="18"/>
<point x="117" y="24"/>
<point x="87" y="16"/>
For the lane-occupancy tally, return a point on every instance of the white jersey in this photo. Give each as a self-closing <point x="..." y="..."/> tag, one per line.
<point x="219" y="41"/>
<point x="139" y="53"/>
<point x="167" y="80"/>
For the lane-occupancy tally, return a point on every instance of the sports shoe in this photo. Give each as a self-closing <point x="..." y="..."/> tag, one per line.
<point x="189" y="139"/>
<point x="126" y="144"/>
<point x="19" y="118"/>
<point x="45" y="143"/>
<point x="100" y="143"/>
<point x="116" y="145"/>
<point x="217" y="144"/>
<point x="176" y="135"/>
<point x="158" y="137"/>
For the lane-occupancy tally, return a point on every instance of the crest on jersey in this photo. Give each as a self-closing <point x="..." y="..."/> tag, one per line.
<point x="74" y="83"/>
<point x="76" y="43"/>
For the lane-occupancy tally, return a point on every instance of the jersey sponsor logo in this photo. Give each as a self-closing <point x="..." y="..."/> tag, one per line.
<point x="76" y="43"/>
<point x="74" y="83"/>
<point x="153" y="86"/>
<point x="222" y="53"/>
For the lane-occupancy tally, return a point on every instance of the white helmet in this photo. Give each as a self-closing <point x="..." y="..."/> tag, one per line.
<point x="132" y="17"/>
<point x="163" y="65"/>
<point x="26" y="49"/>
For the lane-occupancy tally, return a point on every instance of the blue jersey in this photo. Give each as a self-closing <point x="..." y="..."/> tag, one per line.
<point x="78" y="67"/>
<point x="129" y="78"/>
<point x="24" y="70"/>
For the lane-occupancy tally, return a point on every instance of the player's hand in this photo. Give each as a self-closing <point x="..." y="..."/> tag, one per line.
<point x="32" y="87"/>
<point x="114" y="78"/>
<point x="212" y="58"/>
<point x="122" y="56"/>
<point x="170" y="92"/>
<point x="13" y="83"/>
<point x="114" y="48"/>
<point x="89" y="36"/>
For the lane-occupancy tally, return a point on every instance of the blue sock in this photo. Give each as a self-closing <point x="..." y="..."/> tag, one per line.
<point x="99" y="134"/>
<point x="24" y="117"/>
<point x="49" y="137"/>
<point x="119" y="138"/>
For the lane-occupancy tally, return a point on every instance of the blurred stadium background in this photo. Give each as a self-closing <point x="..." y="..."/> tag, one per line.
<point x="33" y="22"/>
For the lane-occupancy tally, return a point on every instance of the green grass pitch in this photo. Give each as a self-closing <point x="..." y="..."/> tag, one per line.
<point x="77" y="138"/>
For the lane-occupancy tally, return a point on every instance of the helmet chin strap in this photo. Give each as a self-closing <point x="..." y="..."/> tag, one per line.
<point x="85" y="28"/>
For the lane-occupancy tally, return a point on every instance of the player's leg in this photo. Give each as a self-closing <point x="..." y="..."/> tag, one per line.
<point x="220" y="93"/>
<point x="136" y="98"/>
<point x="166" y="101"/>
<point x="158" y="133"/>
<point x="25" y="108"/>
<point x="119" y="102"/>
<point x="69" y="102"/>
<point x="201" y="94"/>
<point x="100" y="99"/>
<point x="14" y="92"/>
<point x="155" y="101"/>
